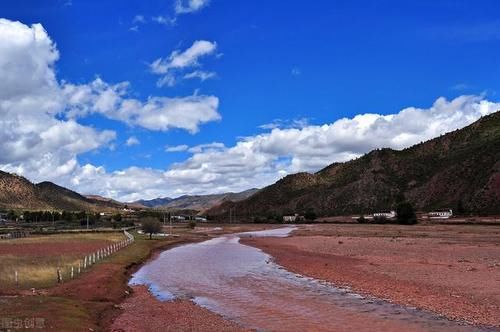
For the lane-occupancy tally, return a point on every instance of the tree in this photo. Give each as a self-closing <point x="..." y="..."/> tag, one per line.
<point x="310" y="214"/>
<point x="406" y="214"/>
<point x="11" y="215"/>
<point x="460" y="207"/>
<point x="151" y="226"/>
<point x="362" y="219"/>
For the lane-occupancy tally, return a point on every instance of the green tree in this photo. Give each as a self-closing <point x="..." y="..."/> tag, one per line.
<point x="151" y="226"/>
<point x="406" y="214"/>
<point x="310" y="214"/>
<point x="460" y="207"/>
<point x="11" y="215"/>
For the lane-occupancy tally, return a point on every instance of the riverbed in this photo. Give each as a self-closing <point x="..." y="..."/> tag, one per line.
<point x="244" y="285"/>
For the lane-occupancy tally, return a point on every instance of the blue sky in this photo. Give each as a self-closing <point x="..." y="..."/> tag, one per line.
<point x="296" y="64"/>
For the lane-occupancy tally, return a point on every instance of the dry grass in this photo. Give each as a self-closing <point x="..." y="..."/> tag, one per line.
<point x="36" y="258"/>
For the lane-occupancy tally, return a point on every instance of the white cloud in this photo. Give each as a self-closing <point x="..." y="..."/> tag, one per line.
<point x="157" y="113"/>
<point x="177" y="61"/>
<point x="132" y="140"/>
<point x="190" y="6"/>
<point x="202" y="75"/>
<point x="177" y="148"/>
<point x="139" y="19"/>
<point x="215" y="146"/>
<point x="34" y="140"/>
<point x="164" y="20"/>
<point x="260" y="160"/>
<point x="284" y="123"/>
<point x="40" y="135"/>
<point x="40" y="144"/>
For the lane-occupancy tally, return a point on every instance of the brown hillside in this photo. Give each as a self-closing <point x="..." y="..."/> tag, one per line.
<point x="461" y="166"/>
<point x="16" y="192"/>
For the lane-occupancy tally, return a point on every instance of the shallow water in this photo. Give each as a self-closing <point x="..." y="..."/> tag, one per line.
<point x="243" y="284"/>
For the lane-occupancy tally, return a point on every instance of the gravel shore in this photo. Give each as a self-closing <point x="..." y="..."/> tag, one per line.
<point x="453" y="270"/>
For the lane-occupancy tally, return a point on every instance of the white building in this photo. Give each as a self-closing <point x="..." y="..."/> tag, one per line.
<point x="387" y="214"/>
<point x="290" y="218"/>
<point x="440" y="214"/>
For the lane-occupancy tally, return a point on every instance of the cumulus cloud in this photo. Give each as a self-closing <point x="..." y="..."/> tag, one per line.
<point x="41" y="137"/>
<point x="164" y="20"/>
<point x="259" y="160"/>
<point x="189" y="6"/>
<point x="180" y="60"/>
<point x="176" y="148"/>
<point x="157" y="113"/>
<point x="132" y="140"/>
<point x="34" y="140"/>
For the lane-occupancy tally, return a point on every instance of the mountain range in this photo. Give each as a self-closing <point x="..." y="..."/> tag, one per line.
<point x="458" y="170"/>
<point x="17" y="192"/>
<point x="195" y="202"/>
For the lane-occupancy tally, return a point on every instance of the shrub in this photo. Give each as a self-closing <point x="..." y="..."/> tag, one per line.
<point x="362" y="220"/>
<point x="192" y="224"/>
<point x="310" y="215"/>
<point x="380" y="220"/>
<point x="406" y="214"/>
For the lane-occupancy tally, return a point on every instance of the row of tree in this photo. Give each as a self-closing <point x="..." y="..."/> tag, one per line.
<point x="68" y="216"/>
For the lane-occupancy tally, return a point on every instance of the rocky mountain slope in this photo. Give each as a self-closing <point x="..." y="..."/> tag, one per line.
<point x="459" y="169"/>
<point x="16" y="192"/>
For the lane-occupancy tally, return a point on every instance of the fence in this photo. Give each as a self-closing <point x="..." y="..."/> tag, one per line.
<point x="14" y="235"/>
<point x="69" y="272"/>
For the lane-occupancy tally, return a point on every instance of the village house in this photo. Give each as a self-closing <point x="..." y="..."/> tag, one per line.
<point x="440" y="214"/>
<point x="386" y="214"/>
<point x="293" y="218"/>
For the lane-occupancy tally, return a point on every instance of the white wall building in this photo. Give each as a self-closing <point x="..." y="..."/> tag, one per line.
<point x="290" y="218"/>
<point x="440" y="214"/>
<point x="387" y="214"/>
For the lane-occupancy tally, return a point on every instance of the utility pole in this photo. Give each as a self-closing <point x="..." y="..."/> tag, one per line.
<point x="170" y="220"/>
<point x="87" y="220"/>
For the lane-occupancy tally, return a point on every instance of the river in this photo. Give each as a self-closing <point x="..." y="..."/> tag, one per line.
<point x="243" y="284"/>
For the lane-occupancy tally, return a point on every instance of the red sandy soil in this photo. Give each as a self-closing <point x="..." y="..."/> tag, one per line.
<point x="52" y="249"/>
<point x="451" y="270"/>
<point x="142" y="312"/>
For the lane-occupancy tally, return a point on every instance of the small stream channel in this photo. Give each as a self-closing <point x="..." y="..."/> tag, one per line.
<point x="243" y="284"/>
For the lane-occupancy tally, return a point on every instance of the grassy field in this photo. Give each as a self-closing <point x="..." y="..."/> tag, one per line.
<point x="91" y="301"/>
<point x="37" y="258"/>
